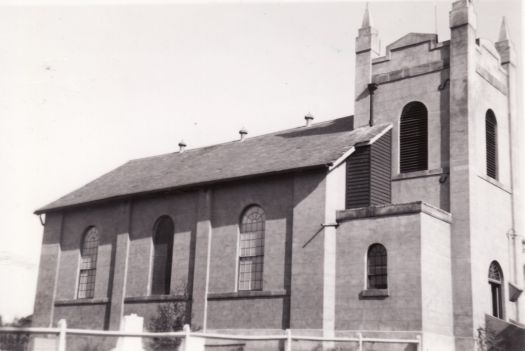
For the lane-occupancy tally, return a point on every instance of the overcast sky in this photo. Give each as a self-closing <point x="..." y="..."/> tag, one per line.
<point x="84" y="88"/>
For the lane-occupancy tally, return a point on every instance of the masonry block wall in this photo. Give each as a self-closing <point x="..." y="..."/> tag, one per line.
<point x="417" y="239"/>
<point x="48" y="271"/>
<point x="415" y="68"/>
<point x="445" y="226"/>
<point x="226" y="307"/>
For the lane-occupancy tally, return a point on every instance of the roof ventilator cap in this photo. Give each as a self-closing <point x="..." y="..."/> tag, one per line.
<point x="308" y="118"/>
<point x="182" y="146"/>
<point x="243" y="132"/>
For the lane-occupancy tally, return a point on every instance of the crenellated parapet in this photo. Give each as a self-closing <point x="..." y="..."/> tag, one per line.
<point x="412" y="55"/>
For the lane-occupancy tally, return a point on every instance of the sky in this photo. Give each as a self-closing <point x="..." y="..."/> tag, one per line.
<point x="87" y="85"/>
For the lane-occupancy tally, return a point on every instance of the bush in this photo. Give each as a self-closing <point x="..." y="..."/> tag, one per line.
<point x="170" y="317"/>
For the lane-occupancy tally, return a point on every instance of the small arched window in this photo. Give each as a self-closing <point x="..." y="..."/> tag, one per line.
<point x="88" y="264"/>
<point x="496" y="284"/>
<point x="377" y="267"/>
<point x="413" y="137"/>
<point x="491" y="140"/>
<point x="251" y="247"/>
<point x="162" y="255"/>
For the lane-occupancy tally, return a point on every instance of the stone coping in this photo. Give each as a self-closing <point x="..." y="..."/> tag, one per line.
<point x="393" y="210"/>
<point x="420" y="174"/>
<point x="248" y="294"/>
<point x="77" y="302"/>
<point x="156" y="298"/>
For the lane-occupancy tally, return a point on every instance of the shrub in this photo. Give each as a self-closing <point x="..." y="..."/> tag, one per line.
<point x="170" y="317"/>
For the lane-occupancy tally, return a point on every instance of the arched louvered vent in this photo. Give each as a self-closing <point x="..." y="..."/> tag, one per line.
<point x="491" y="144"/>
<point x="413" y="138"/>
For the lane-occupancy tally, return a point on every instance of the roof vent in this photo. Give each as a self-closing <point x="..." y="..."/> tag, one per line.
<point x="182" y="146"/>
<point x="308" y="118"/>
<point x="243" y="133"/>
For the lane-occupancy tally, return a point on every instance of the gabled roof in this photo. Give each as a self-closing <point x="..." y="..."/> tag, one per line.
<point x="320" y="145"/>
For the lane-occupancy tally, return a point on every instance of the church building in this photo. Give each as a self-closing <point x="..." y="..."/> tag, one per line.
<point x="400" y="220"/>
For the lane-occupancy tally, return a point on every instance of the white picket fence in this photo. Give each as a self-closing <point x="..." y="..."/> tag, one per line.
<point x="193" y="341"/>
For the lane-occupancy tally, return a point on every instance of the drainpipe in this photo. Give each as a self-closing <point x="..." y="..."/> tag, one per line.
<point x="372" y="87"/>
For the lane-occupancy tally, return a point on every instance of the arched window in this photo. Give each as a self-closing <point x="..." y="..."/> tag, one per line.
<point x="251" y="245"/>
<point x="413" y="138"/>
<point x="377" y="267"/>
<point x="496" y="284"/>
<point x="491" y="140"/>
<point x="88" y="264"/>
<point x="162" y="254"/>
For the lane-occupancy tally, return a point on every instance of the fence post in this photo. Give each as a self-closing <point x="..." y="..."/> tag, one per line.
<point x="62" y="325"/>
<point x="187" y="333"/>
<point x="419" y="345"/>
<point x="288" y="346"/>
<point x="360" y="337"/>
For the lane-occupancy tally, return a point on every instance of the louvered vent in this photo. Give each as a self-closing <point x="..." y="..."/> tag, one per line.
<point x="358" y="178"/>
<point x="368" y="174"/>
<point x="381" y="170"/>
<point x="413" y="138"/>
<point x="492" y="146"/>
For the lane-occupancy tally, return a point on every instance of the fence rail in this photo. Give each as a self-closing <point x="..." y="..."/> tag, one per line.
<point x="187" y="335"/>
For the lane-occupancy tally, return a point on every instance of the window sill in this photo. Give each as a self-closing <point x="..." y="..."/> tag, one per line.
<point x="77" y="302"/>
<point x="247" y="294"/>
<point x="155" y="298"/>
<point x="420" y="174"/>
<point x="496" y="183"/>
<point x="377" y="294"/>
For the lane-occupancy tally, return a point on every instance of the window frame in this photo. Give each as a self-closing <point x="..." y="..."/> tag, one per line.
<point x="87" y="272"/>
<point x="497" y="290"/>
<point x="422" y="144"/>
<point x="252" y="280"/>
<point x="383" y="268"/>
<point x="156" y="282"/>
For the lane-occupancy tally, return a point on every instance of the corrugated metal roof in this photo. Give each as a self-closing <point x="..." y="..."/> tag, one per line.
<point x="288" y="150"/>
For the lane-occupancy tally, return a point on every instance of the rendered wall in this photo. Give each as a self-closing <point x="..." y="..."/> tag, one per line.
<point x="490" y="199"/>
<point x="436" y="283"/>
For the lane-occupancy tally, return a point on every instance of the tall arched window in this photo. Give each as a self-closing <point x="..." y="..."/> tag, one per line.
<point x="377" y="267"/>
<point x="496" y="285"/>
<point x="491" y="144"/>
<point x="413" y="137"/>
<point x="251" y="245"/>
<point x="162" y="254"/>
<point x="88" y="264"/>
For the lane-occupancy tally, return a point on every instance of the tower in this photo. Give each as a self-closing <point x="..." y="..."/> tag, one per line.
<point x="483" y="180"/>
